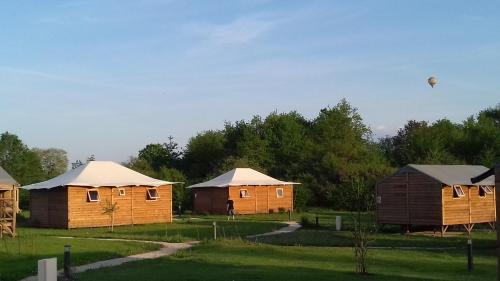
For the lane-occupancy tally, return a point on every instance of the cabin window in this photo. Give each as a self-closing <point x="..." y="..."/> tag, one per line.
<point x="121" y="191"/>
<point x="457" y="191"/>
<point x="279" y="192"/>
<point x="93" y="195"/>
<point x="379" y="199"/>
<point x="244" y="193"/>
<point x="484" y="189"/>
<point x="152" y="194"/>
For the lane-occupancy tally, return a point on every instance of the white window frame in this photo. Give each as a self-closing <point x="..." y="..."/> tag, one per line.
<point x="459" y="191"/>
<point x="121" y="192"/>
<point x="486" y="190"/>
<point x="89" y="198"/>
<point x="282" y="192"/>
<point x="246" y="195"/>
<point x="149" y="196"/>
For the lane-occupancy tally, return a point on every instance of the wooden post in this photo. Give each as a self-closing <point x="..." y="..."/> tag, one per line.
<point x="470" y="208"/>
<point x="113" y="212"/>
<point x="172" y="203"/>
<point x="267" y="200"/>
<point x="15" y="206"/>
<point x="497" y="210"/>
<point x="132" y="204"/>
<point x="256" y="195"/>
<point x="407" y="203"/>
<point x="442" y="210"/>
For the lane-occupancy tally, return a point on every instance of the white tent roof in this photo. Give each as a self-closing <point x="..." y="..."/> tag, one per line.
<point x="99" y="173"/>
<point x="239" y="177"/>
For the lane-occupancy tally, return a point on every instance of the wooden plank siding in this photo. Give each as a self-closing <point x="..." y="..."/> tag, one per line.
<point x="48" y="207"/>
<point x="262" y="199"/>
<point x="68" y="207"/>
<point x="413" y="198"/>
<point x="456" y="210"/>
<point x="409" y="198"/>
<point x="210" y="200"/>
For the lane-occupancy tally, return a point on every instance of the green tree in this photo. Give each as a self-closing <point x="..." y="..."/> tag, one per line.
<point x="204" y="154"/>
<point x="54" y="161"/>
<point x="21" y="163"/>
<point x="161" y="154"/>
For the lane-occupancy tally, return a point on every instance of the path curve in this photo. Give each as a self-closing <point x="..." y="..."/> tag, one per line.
<point x="167" y="249"/>
<point x="291" y="227"/>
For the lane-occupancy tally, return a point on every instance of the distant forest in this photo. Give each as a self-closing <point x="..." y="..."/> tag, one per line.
<point x="326" y="154"/>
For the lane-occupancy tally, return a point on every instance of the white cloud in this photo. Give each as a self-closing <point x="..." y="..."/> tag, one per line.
<point x="240" y="31"/>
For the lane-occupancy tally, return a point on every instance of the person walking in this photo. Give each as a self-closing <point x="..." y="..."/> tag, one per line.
<point x="230" y="208"/>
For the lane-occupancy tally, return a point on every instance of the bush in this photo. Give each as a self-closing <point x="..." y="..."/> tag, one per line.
<point x="305" y="222"/>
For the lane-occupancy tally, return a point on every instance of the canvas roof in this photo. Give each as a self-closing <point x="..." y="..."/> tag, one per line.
<point x="5" y="178"/>
<point x="240" y="177"/>
<point x="455" y="174"/>
<point x="99" y="173"/>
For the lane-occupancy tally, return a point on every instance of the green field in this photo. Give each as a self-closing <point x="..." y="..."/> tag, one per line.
<point x="313" y="253"/>
<point x="18" y="257"/>
<point x="240" y="260"/>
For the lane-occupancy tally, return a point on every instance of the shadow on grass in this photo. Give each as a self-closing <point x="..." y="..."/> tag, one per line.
<point x="239" y="260"/>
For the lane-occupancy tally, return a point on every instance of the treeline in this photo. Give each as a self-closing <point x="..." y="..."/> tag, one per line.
<point x="27" y="165"/>
<point x="326" y="154"/>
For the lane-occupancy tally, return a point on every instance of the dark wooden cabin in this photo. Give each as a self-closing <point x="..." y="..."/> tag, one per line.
<point x="78" y="198"/>
<point x="436" y="195"/>
<point x="9" y="204"/>
<point x="252" y="192"/>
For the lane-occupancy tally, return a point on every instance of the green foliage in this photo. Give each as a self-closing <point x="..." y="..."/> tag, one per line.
<point x="54" y="161"/>
<point x="475" y="141"/>
<point x="204" y="154"/>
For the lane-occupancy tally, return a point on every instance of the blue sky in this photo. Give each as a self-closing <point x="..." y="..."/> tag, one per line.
<point x="109" y="77"/>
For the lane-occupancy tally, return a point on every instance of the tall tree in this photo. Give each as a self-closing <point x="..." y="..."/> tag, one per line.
<point x="161" y="154"/>
<point x="54" y="161"/>
<point x="19" y="161"/>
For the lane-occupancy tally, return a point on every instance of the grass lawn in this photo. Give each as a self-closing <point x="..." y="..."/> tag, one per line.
<point x="180" y="230"/>
<point x="240" y="260"/>
<point x="482" y="240"/>
<point x="19" y="256"/>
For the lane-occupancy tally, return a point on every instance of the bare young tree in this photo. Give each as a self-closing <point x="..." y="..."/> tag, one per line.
<point x="363" y="229"/>
<point x="109" y="209"/>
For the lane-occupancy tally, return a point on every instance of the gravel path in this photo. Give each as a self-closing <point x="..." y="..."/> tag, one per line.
<point x="291" y="227"/>
<point x="167" y="249"/>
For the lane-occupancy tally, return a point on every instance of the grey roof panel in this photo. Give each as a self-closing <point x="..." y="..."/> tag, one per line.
<point x="5" y="178"/>
<point x="455" y="174"/>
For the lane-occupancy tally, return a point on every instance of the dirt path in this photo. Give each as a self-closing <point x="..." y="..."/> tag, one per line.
<point x="291" y="227"/>
<point x="167" y="249"/>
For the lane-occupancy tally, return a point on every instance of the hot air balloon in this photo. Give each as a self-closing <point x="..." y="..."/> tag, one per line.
<point x="432" y="81"/>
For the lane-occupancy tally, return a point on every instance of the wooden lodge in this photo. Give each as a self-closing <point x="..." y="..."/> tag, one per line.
<point x="252" y="192"/>
<point x="79" y="198"/>
<point x="9" y="204"/>
<point x="436" y="195"/>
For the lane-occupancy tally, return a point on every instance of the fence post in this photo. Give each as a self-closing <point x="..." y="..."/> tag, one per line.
<point x="317" y="221"/>
<point x="67" y="262"/>
<point x="290" y="215"/>
<point x="338" y="223"/>
<point x="215" y="230"/>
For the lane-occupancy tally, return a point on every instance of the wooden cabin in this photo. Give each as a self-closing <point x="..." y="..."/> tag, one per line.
<point x="79" y="198"/>
<point x="252" y="192"/>
<point x="9" y="204"/>
<point x="436" y="195"/>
